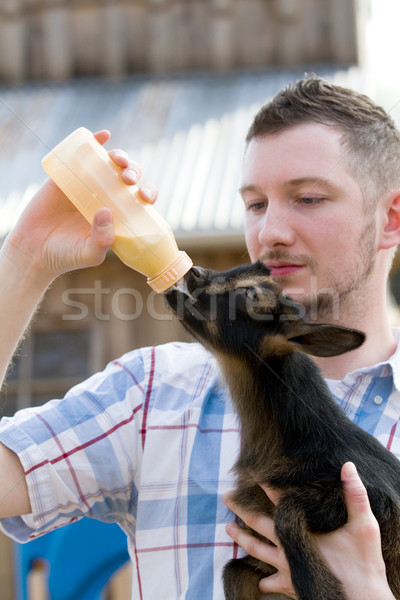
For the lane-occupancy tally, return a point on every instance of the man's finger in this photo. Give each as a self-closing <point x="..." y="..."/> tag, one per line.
<point x="102" y="136"/>
<point x="260" y="523"/>
<point x="148" y="193"/>
<point x="355" y="494"/>
<point x="272" y="494"/>
<point x="253" y="546"/>
<point x="275" y="583"/>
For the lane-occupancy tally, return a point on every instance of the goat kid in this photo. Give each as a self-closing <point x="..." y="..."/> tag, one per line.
<point x="294" y="437"/>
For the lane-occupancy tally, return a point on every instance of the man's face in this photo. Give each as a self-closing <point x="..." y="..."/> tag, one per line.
<point x="305" y="216"/>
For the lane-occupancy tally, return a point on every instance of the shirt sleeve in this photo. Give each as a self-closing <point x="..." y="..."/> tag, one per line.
<point x="81" y="454"/>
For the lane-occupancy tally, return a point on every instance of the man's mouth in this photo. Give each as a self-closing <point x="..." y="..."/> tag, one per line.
<point x="282" y="269"/>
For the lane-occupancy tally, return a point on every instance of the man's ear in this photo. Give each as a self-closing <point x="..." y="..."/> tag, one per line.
<point x="390" y="231"/>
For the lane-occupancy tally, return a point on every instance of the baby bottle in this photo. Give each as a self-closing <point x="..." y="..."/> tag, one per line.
<point x="82" y="169"/>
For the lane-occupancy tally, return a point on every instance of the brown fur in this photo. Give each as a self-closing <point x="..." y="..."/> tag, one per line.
<point x="293" y="435"/>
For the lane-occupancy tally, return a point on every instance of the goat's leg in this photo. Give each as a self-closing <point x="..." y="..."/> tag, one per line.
<point x="390" y="537"/>
<point x="241" y="580"/>
<point x="311" y="577"/>
<point x="241" y="577"/>
<point x="393" y="574"/>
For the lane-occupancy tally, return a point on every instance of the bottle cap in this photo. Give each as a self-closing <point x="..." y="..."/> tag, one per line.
<point x="171" y="274"/>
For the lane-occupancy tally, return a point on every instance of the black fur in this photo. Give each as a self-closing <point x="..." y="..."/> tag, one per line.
<point x="293" y="435"/>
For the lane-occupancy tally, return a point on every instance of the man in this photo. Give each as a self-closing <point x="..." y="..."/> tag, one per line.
<point x="322" y="211"/>
<point x="149" y="443"/>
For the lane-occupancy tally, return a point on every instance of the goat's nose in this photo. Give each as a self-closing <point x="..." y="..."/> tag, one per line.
<point x="196" y="277"/>
<point x="198" y="272"/>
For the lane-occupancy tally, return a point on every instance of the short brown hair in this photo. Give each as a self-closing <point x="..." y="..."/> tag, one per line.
<point x="370" y="136"/>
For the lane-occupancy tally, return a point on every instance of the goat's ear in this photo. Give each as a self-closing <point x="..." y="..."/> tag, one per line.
<point x="323" y="340"/>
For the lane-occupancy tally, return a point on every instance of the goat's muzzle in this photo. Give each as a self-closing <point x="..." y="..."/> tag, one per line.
<point x="194" y="279"/>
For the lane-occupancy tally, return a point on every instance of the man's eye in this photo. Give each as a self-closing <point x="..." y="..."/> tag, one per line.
<point x="310" y="201"/>
<point x="256" y="206"/>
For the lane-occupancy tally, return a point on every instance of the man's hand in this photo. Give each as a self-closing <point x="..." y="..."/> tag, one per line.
<point x="352" y="552"/>
<point x="52" y="237"/>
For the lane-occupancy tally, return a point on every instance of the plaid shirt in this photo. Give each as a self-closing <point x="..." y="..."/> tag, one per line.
<point x="149" y="443"/>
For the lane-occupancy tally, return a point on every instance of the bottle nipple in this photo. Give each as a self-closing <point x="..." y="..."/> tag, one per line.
<point x="171" y="274"/>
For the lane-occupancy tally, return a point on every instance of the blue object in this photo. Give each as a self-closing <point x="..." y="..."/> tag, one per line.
<point x="81" y="558"/>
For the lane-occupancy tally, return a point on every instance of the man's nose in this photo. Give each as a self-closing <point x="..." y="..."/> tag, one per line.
<point x="276" y="228"/>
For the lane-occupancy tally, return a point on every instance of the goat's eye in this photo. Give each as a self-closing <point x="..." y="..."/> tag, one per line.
<point x="251" y="293"/>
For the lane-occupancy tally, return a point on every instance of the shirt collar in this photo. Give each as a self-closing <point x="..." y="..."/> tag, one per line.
<point x="394" y="360"/>
<point x="380" y="369"/>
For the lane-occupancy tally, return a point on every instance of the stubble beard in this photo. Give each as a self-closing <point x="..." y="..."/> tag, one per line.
<point x="343" y="298"/>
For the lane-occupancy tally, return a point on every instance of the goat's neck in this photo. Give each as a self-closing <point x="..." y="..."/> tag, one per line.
<point x="277" y="400"/>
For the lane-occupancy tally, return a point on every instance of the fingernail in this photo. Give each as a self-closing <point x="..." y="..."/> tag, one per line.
<point x="131" y="174"/>
<point x="230" y="528"/>
<point x="104" y="219"/>
<point x="349" y="470"/>
<point x="146" y="192"/>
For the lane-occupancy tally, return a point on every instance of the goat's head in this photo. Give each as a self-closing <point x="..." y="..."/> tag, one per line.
<point x="243" y="311"/>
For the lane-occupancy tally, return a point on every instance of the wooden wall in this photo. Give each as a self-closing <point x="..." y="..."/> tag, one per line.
<point x="59" y="39"/>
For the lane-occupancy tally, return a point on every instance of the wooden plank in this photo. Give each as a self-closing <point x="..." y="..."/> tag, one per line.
<point x="255" y="33"/>
<point x="198" y="50"/>
<point x="13" y="37"/>
<point x="113" y="49"/>
<point x="221" y="41"/>
<point x="85" y="38"/>
<point x="343" y="33"/>
<point x="136" y="38"/>
<point x="56" y="59"/>
<point x="6" y="569"/>
<point x="120" y="586"/>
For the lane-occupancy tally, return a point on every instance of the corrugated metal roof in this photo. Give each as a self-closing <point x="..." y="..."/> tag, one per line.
<point x="186" y="132"/>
